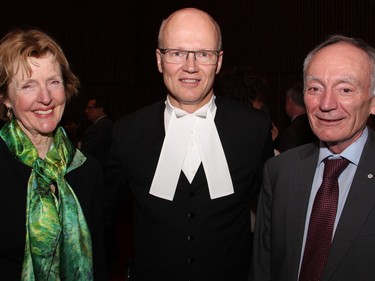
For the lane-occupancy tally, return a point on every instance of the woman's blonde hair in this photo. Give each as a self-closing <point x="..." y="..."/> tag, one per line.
<point x="15" y="50"/>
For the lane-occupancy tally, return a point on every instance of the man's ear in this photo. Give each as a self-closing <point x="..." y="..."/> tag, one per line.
<point x="219" y="62"/>
<point x="158" y="61"/>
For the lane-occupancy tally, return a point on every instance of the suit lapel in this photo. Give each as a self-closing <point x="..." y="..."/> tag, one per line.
<point x="358" y="205"/>
<point x="221" y="121"/>
<point x="300" y="181"/>
<point x="149" y="147"/>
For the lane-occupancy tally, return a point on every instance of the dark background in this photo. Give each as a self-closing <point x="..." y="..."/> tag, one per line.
<point x="111" y="47"/>
<point x="111" y="43"/>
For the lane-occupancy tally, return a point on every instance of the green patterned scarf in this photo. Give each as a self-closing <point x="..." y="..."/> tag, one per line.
<point x="58" y="242"/>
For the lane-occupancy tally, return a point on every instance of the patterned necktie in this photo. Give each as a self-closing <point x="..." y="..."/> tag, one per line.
<point x="323" y="215"/>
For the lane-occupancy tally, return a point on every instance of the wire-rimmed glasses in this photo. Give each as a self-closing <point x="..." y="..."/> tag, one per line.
<point x="204" y="57"/>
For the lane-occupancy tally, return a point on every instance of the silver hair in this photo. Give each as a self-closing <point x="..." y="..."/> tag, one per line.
<point x="356" y="42"/>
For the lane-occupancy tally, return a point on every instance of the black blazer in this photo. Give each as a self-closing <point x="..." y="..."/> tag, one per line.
<point x="281" y="219"/>
<point x="86" y="182"/>
<point x="297" y="133"/>
<point x="97" y="139"/>
<point x="191" y="237"/>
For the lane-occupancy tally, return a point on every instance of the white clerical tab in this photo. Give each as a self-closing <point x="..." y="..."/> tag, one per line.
<point x="213" y="158"/>
<point x="171" y="158"/>
<point x="183" y="127"/>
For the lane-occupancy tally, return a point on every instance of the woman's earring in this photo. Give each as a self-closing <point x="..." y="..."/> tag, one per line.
<point x="9" y="113"/>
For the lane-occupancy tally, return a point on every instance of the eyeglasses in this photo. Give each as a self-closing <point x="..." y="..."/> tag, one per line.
<point x="204" y="57"/>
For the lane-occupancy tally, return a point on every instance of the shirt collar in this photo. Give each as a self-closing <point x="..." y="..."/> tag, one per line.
<point x="201" y="112"/>
<point x="169" y="109"/>
<point x="352" y="152"/>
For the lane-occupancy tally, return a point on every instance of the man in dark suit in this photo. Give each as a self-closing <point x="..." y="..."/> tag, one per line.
<point x="298" y="132"/>
<point x="339" y="97"/>
<point x="97" y="137"/>
<point x="192" y="163"/>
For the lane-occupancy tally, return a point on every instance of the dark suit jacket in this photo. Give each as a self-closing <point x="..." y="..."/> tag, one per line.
<point x="281" y="219"/>
<point x="86" y="182"/>
<point x="191" y="237"/>
<point x="297" y="133"/>
<point x="97" y="139"/>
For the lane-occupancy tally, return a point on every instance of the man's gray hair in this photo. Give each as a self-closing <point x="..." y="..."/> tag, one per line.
<point x="356" y="42"/>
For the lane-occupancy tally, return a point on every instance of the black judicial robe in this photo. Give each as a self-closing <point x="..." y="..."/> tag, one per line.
<point x="191" y="237"/>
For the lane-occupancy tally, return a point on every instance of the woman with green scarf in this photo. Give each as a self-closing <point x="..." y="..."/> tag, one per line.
<point x="50" y="193"/>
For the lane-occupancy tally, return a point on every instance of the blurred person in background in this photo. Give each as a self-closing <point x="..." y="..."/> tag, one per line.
<point x="299" y="131"/>
<point x="96" y="138"/>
